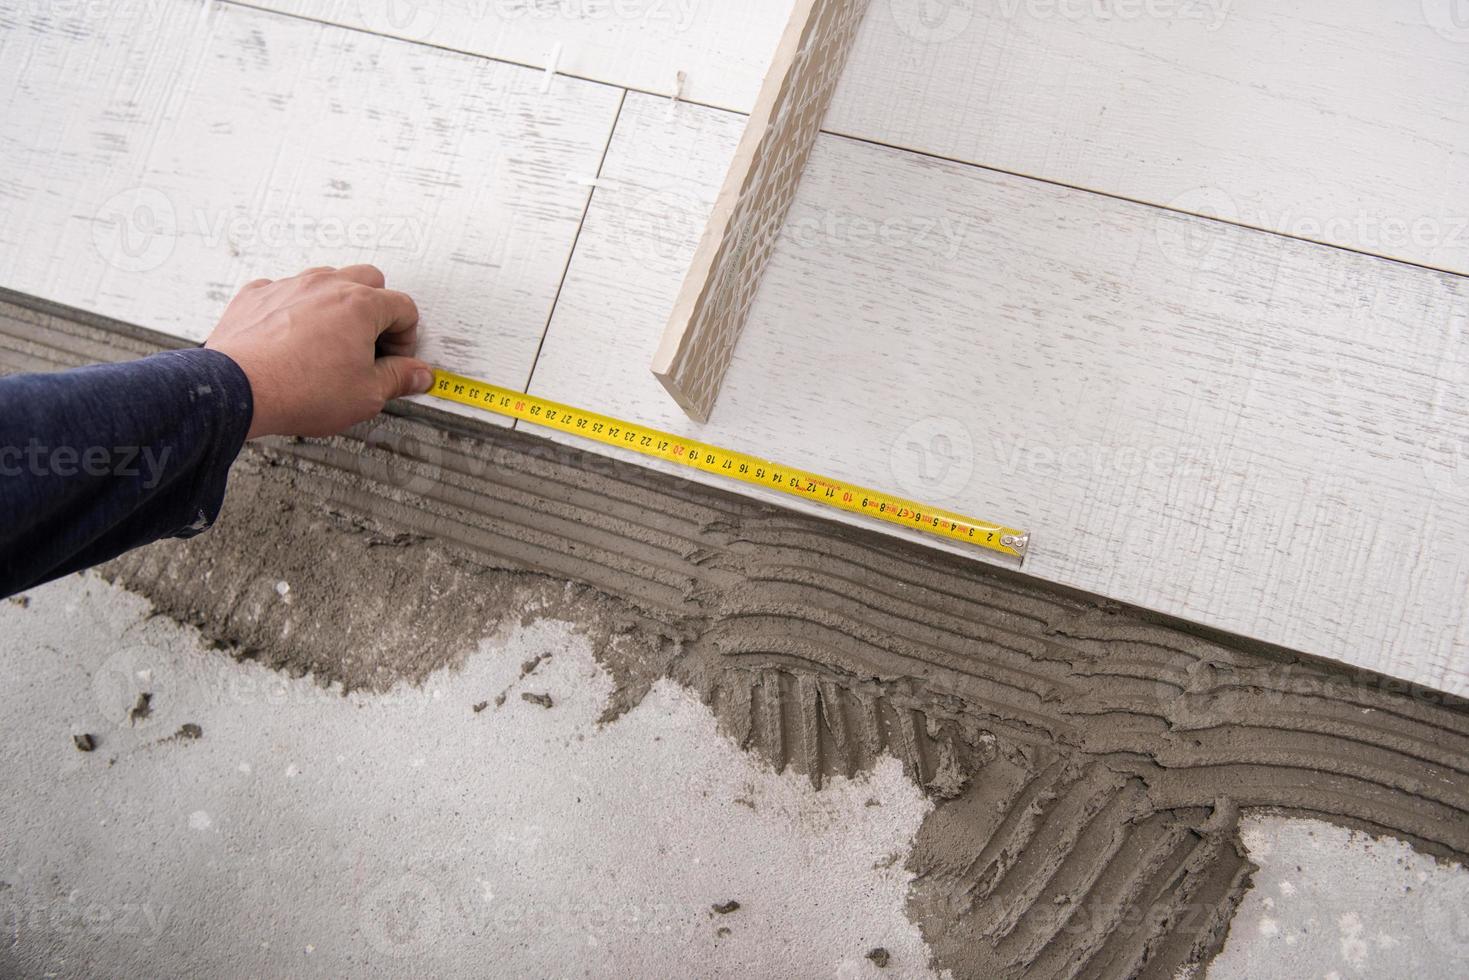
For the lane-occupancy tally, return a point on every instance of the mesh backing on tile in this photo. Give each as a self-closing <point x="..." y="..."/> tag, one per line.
<point x="751" y="209"/>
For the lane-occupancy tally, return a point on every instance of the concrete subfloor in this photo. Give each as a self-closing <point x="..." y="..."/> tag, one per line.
<point x="297" y="832"/>
<point x="1333" y="903"/>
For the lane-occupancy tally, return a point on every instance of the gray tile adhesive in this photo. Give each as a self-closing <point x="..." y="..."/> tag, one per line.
<point x="1088" y="762"/>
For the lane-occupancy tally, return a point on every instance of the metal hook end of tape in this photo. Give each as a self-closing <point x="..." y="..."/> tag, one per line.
<point x="1019" y="542"/>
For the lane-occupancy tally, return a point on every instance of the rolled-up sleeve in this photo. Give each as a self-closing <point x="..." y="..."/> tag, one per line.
<point x="102" y="459"/>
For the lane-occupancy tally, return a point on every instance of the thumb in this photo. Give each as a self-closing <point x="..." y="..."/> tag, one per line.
<point x="399" y="376"/>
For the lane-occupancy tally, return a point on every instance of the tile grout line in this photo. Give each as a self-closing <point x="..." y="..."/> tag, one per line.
<point x="481" y="56"/>
<point x="930" y="155"/>
<point x="870" y="141"/>
<point x="575" y="240"/>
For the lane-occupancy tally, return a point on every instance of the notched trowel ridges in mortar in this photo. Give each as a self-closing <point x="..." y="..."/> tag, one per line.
<point x="1088" y="762"/>
<point x="559" y="539"/>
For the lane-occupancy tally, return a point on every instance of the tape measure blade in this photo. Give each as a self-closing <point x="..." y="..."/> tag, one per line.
<point x="682" y="453"/>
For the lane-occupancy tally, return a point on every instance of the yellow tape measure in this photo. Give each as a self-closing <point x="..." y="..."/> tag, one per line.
<point x="728" y="463"/>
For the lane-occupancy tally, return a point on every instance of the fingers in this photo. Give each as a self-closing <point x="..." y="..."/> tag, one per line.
<point x="400" y="376"/>
<point x="367" y="275"/>
<point x="403" y="343"/>
<point x="393" y="314"/>
<point x="255" y="284"/>
<point x="399" y="327"/>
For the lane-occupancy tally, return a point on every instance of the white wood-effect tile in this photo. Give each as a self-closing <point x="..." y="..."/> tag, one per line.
<point x="1343" y="121"/>
<point x="1258" y="434"/>
<point x="156" y="160"/>
<point x="723" y="47"/>
<point x="662" y="174"/>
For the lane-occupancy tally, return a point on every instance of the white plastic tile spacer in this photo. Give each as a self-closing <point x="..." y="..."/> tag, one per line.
<point x="552" y="60"/>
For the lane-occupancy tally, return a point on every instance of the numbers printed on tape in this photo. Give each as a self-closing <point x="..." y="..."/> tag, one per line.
<point x="728" y="463"/>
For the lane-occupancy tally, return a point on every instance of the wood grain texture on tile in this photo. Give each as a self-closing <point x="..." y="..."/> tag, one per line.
<point x="722" y="48"/>
<point x="660" y="180"/>
<point x="750" y="211"/>
<point x="1237" y="428"/>
<point x="157" y="159"/>
<point x="1250" y="432"/>
<point x="1340" y="121"/>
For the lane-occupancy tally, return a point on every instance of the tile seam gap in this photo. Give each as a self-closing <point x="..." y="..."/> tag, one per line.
<point x="930" y="155"/>
<point x="479" y="56"/>
<point x="869" y="141"/>
<point x="575" y="240"/>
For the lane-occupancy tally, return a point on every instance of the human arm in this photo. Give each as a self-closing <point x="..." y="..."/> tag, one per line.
<point x="102" y="459"/>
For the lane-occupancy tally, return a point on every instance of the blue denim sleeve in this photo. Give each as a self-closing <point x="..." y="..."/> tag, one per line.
<point x="102" y="459"/>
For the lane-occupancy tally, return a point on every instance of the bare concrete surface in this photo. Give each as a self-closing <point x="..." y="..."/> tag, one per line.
<point x="309" y="834"/>
<point x="1333" y="903"/>
<point x="303" y="832"/>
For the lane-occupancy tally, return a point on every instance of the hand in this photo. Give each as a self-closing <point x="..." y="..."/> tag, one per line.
<point x="322" y="350"/>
